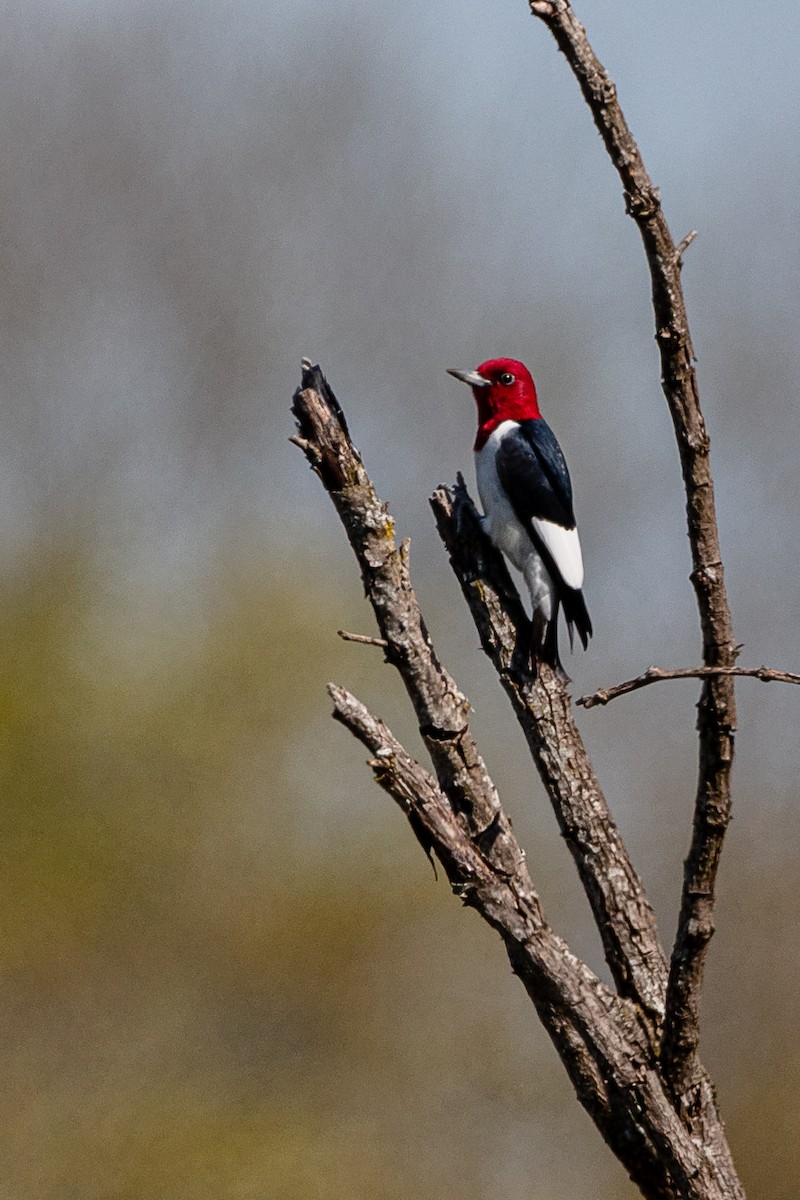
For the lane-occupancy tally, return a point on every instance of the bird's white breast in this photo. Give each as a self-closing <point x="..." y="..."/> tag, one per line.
<point x="506" y="530"/>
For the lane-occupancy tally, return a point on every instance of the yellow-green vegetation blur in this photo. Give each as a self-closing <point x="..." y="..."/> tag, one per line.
<point x="216" y="984"/>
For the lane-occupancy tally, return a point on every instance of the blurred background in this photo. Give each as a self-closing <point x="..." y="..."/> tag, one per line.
<point x="227" y="969"/>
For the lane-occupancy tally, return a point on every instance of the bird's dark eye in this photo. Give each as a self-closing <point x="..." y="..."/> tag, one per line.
<point x="507" y="378"/>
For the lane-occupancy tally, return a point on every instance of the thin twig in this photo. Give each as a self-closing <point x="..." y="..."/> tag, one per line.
<point x="684" y="244"/>
<point x="654" y="674"/>
<point x="364" y="639"/>
<point x="717" y="712"/>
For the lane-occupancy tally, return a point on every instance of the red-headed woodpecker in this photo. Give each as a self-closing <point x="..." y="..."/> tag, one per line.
<point x="526" y="494"/>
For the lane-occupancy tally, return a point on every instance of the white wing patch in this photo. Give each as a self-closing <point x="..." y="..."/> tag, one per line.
<point x="565" y="548"/>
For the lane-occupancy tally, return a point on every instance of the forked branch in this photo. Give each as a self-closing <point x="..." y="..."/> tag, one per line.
<point x="542" y="706"/>
<point x="639" y="1077"/>
<point x="607" y="1042"/>
<point x="717" y="713"/>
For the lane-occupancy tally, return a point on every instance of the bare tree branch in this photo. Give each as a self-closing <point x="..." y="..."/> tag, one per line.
<point x="601" y="1046"/>
<point x="441" y="709"/>
<point x="605" y="1041"/>
<point x="621" y="909"/>
<point x="684" y="244"/>
<point x="419" y="796"/>
<point x="363" y="639"/>
<point x="717" y="713"/>
<point x="591" y="1029"/>
<point x="654" y="674"/>
<point x="649" y="1094"/>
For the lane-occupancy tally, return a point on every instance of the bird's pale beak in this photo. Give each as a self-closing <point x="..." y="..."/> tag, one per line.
<point x="470" y="377"/>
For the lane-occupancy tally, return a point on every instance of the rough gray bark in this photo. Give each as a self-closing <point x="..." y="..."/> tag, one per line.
<point x="609" y="1043"/>
<point x="716" y="710"/>
<point x="633" y="1055"/>
<point x="441" y="709"/>
<point x="542" y="706"/>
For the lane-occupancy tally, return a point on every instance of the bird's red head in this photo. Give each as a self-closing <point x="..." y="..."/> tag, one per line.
<point x="504" y="391"/>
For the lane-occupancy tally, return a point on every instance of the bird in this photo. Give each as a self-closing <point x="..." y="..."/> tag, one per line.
<point x="526" y="493"/>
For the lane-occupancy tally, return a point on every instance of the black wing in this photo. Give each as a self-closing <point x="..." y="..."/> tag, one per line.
<point x="534" y="475"/>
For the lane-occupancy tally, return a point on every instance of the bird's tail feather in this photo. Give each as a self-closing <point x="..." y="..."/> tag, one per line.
<point x="577" y="615"/>
<point x="544" y="632"/>
<point x="544" y="642"/>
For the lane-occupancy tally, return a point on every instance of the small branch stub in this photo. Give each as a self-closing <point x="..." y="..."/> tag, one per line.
<point x="363" y="639"/>
<point x="684" y="244"/>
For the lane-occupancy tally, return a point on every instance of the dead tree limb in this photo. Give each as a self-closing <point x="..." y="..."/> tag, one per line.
<point x="606" y="1041"/>
<point x="716" y="711"/>
<point x="442" y="711"/>
<point x="641" y="1079"/>
<point x="542" y="706"/>
<point x="656" y="674"/>
<point x="612" y="1066"/>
